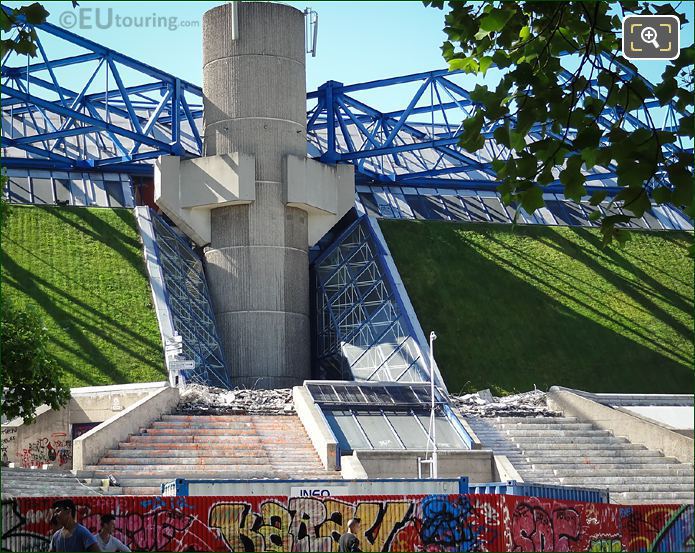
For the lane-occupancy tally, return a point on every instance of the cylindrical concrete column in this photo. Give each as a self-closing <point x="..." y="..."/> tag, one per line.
<point x="257" y="262"/>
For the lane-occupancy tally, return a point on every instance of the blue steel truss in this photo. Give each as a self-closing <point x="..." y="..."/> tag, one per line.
<point x="363" y="329"/>
<point x="102" y="122"/>
<point x="417" y="146"/>
<point x="189" y="302"/>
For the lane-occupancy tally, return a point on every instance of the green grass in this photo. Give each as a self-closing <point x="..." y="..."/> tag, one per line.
<point x="547" y="306"/>
<point x="83" y="269"/>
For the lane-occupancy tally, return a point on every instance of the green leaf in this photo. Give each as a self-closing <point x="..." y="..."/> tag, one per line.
<point x="598" y="197"/>
<point x="666" y="90"/>
<point x="531" y="199"/>
<point x="595" y="215"/>
<point x="661" y="195"/>
<point x="485" y="63"/>
<point x="588" y="136"/>
<point x="525" y="32"/>
<point x="35" y="13"/>
<point x="681" y="178"/>
<point x="5" y="21"/>
<point x="526" y="166"/>
<point x="467" y="64"/>
<point x="573" y="179"/>
<point x="635" y="200"/>
<point x="632" y="173"/>
<point x="517" y="140"/>
<point x="590" y="156"/>
<point x="496" y="19"/>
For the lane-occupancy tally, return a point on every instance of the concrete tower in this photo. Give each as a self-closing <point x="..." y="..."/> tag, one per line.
<point x="254" y="200"/>
<point x="257" y="264"/>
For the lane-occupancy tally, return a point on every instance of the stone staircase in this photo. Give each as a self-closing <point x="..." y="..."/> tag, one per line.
<point x="18" y="482"/>
<point x="562" y="450"/>
<point x="210" y="447"/>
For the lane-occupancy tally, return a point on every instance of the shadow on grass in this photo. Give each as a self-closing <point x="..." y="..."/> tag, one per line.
<point x="85" y="221"/>
<point x="497" y="329"/>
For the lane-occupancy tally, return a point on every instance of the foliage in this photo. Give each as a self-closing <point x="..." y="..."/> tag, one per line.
<point x="16" y="18"/>
<point x="83" y="270"/>
<point x="525" y="41"/>
<point x="514" y="308"/>
<point x="25" y="41"/>
<point x="30" y="376"/>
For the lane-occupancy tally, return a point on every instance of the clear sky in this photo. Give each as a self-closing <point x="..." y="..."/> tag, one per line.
<point x="357" y="41"/>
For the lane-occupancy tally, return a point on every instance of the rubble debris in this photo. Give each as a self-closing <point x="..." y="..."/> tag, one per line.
<point x="484" y="404"/>
<point x="197" y="399"/>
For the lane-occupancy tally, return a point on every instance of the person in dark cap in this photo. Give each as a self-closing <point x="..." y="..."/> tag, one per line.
<point x="72" y="536"/>
<point x="348" y="541"/>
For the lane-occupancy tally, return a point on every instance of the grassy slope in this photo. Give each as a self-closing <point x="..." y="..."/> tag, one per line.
<point x="547" y="306"/>
<point x="84" y="270"/>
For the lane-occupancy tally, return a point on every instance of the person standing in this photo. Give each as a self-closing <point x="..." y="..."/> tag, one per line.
<point x="72" y="536"/>
<point x="105" y="538"/>
<point x="348" y="541"/>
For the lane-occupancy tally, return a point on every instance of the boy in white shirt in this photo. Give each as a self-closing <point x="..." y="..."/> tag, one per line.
<point x="105" y="537"/>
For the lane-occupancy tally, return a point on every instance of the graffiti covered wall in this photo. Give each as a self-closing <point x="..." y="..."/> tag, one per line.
<point x="424" y="523"/>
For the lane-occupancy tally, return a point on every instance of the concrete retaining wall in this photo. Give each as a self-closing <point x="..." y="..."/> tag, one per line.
<point x="477" y="465"/>
<point x="90" y="447"/>
<point x="49" y="439"/>
<point x="623" y="424"/>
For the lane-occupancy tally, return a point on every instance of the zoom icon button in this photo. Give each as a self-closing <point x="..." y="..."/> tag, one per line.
<point x="651" y="37"/>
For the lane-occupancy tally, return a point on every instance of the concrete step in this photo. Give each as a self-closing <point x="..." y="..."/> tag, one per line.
<point x="624" y="471"/>
<point x="551" y="442"/>
<point x="216" y="444"/>
<point x="206" y="462"/>
<point x="652" y="497"/>
<point x="552" y="426"/>
<point x="142" y="490"/>
<point x="285" y="434"/>
<point x="529" y="420"/>
<point x="542" y="450"/>
<point x="256" y="419"/>
<point x="184" y="471"/>
<point x="594" y="452"/>
<point x="537" y="431"/>
<point x="612" y="460"/>
<point x="603" y="481"/>
<point x="294" y="426"/>
<point x="308" y="455"/>
<point x="207" y="438"/>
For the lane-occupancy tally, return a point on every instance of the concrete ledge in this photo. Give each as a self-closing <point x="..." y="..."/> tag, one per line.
<point x="90" y="447"/>
<point x="351" y="468"/>
<point x="317" y="428"/>
<point x="325" y="192"/>
<point x="620" y="423"/>
<point x="187" y="189"/>
<point x="475" y="441"/>
<point x="505" y="470"/>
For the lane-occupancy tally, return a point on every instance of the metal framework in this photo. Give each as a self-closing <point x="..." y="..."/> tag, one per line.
<point x="417" y="146"/>
<point x="364" y="331"/>
<point x="386" y="416"/>
<point x="189" y="303"/>
<point x="102" y="122"/>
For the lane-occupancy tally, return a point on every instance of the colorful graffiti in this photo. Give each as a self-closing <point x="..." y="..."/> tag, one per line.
<point x="408" y="523"/>
<point x="54" y="450"/>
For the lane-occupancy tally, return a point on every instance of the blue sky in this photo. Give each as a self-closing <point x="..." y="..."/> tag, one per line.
<point x="357" y="41"/>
